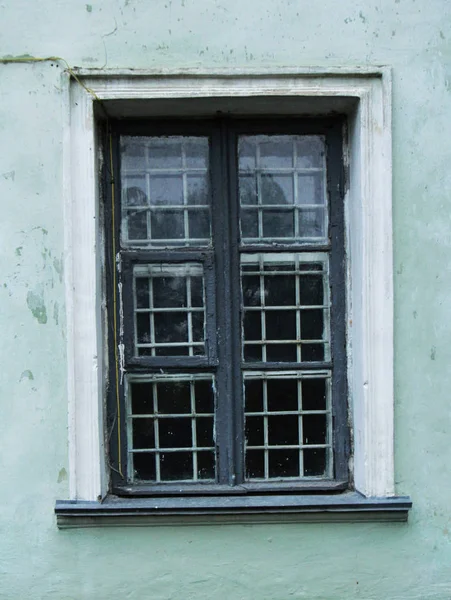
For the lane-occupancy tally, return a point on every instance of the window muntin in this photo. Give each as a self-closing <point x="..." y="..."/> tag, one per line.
<point x="304" y="340"/>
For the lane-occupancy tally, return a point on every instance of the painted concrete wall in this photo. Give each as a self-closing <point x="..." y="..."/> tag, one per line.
<point x="368" y="561"/>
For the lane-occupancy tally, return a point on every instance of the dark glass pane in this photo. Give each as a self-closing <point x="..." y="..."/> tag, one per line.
<point x="277" y="189"/>
<point x="143" y="433"/>
<point x="283" y="430"/>
<point x="176" y="466"/>
<point x="254" y="431"/>
<point x="280" y="290"/>
<point x="143" y="328"/>
<point x="311" y="290"/>
<point x="199" y="224"/>
<point x="281" y="353"/>
<point x="312" y="324"/>
<point x="142" y="398"/>
<point x="248" y="189"/>
<point x="165" y="153"/>
<point x="144" y="466"/>
<point x="313" y="394"/>
<point x="175" y="433"/>
<point x="135" y="195"/>
<point x="310" y="267"/>
<point x="284" y="463"/>
<point x="282" y="394"/>
<point x="204" y="432"/>
<point x="137" y="224"/>
<point x="198" y="350"/>
<point x="142" y="292"/>
<point x="280" y="324"/>
<point x="252" y="352"/>
<point x="311" y="189"/>
<point x="312" y="352"/>
<point x="169" y="292"/>
<point x="252" y="325"/>
<point x="312" y="223"/>
<point x="314" y="429"/>
<point x="254" y="395"/>
<point x="314" y="462"/>
<point x="246" y="153"/>
<point x="198" y="326"/>
<point x="197" y="291"/>
<point x="197" y="189"/>
<point x="251" y="290"/>
<point x="276" y="152"/>
<point x="171" y="327"/>
<point x="167" y="225"/>
<point x="166" y="190"/>
<point x="174" y="397"/>
<point x="249" y="223"/>
<point x="310" y="151"/>
<point x="145" y="352"/>
<point x="278" y="223"/>
<point x="204" y="396"/>
<point x="196" y="151"/>
<point x="171" y="351"/>
<point x="206" y="465"/>
<point x="255" y="464"/>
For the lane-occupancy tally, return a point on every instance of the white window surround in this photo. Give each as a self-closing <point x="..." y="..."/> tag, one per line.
<point x="365" y="94"/>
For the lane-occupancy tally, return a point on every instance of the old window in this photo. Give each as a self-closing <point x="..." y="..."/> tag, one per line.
<point x="225" y="287"/>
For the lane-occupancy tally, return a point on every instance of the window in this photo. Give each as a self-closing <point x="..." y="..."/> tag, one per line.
<point x="363" y="95"/>
<point x="225" y="255"/>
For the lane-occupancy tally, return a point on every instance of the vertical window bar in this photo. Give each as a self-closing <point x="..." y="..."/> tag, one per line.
<point x="156" y="432"/>
<point x="152" y="316"/>
<point x="193" y="427"/>
<point x="296" y="214"/>
<point x="185" y="194"/>
<point x="297" y="282"/>
<point x="265" y="426"/>
<point x="262" y="301"/>
<point x="189" y="315"/>
<point x="148" y="211"/>
<point x="301" y="429"/>
<point x="259" y="191"/>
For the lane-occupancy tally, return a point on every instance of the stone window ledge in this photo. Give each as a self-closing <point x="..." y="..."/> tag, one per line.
<point x="115" y="511"/>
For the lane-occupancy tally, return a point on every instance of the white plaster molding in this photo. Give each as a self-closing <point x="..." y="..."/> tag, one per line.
<point x="369" y="249"/>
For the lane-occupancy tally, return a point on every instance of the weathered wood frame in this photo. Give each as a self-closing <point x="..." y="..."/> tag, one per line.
<point x="368" y="203"/>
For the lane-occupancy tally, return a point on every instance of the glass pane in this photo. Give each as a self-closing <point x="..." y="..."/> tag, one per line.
<point x="171" y="432"/>
<point x="169" y="310"/>
<point x="159" y="174"/>
<point x="286" y="171"/>
<point x="278" y="290"/>
<point x="278" y="431"/>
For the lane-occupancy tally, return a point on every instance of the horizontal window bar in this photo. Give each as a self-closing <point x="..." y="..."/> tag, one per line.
<point x="162" y="450"/>
<point x="289" y="447"/>
<point x="284" y="365"/>
<point x="160" y="415"/>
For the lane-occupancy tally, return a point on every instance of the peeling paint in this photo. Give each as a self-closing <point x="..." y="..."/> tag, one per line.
<point x="62" y="475"/>
<point x="37" y="307"/>
<point x="26" y="375"/>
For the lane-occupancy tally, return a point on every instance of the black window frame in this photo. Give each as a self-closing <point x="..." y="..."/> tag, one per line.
<point x="222" y="269"/>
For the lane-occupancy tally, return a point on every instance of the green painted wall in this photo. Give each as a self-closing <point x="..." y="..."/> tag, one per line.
<point x="278" y="562"/>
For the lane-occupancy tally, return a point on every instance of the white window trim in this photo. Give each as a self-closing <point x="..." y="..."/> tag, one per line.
<point x="369" y="250"/>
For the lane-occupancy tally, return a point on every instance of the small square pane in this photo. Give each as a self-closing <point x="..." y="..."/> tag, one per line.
<point x="143" y="328"/>
<point x="280" y="290"/>
<point x="314" y="429"/>
<point x="197" y="291"/>
<point x="247" y="150"/>
<point x="133" y="153"/>
<point x="280" y="324"/>
<point x="312" y="352"/>
<point x="314" y="394"/>
<point x="175" y="432"/>
<point x="142" y="398"/>
<point x="136" y="223"/>
<point x="134" y="192"/>
<point x="277" y="189"/>
<point x="167" y="225"/>
<point x="204" y="396"/>
<point x="248" y="189"/>
<point x="278" y="223"/>
<point x="255" y="464"/>
<point x="311" y="189"/>
<point x="206" y="465"/>
<point x="282" y="394"/>
<point x="173" y="397"/>
<point x="249" y="223"/>
<point x="283" y="430"/>
<point x="199" y="224"/>
<point x="169" y="292"/>
<point x="283" y="463"/>
<point x="314" y="462"/>
<point x="254" y="431"/>
<point x="144" y="466"/>
<point x="197" y="188"/>
<point x="252" y="352"/>
<point x="252" y="325"/>
<point x="311" y="290"/>
<point x="204" y="432"/>
<point x="171" y="327"/>
<point x="310" y="152"/>
<point x="166" y="190"/>
<point x="143" y="434"/>
<point x="281" y="352"/>
<point x="251" y="290"/>
<point x="276" y="152"/>
<point x="142" y="292"/>
<point x="176" y="466"/>
<point x="196" y="152"/>
<point x="165" y="153"/>
<point x="253" y="395"/>
<point x="312" y="324"/>
<point x="312" y="223"/>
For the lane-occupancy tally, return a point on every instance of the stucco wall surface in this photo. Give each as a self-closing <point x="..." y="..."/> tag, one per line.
<point x="277" y="562"/>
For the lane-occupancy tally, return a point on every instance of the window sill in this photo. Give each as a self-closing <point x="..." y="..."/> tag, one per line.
<point x="114" y="511"/>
